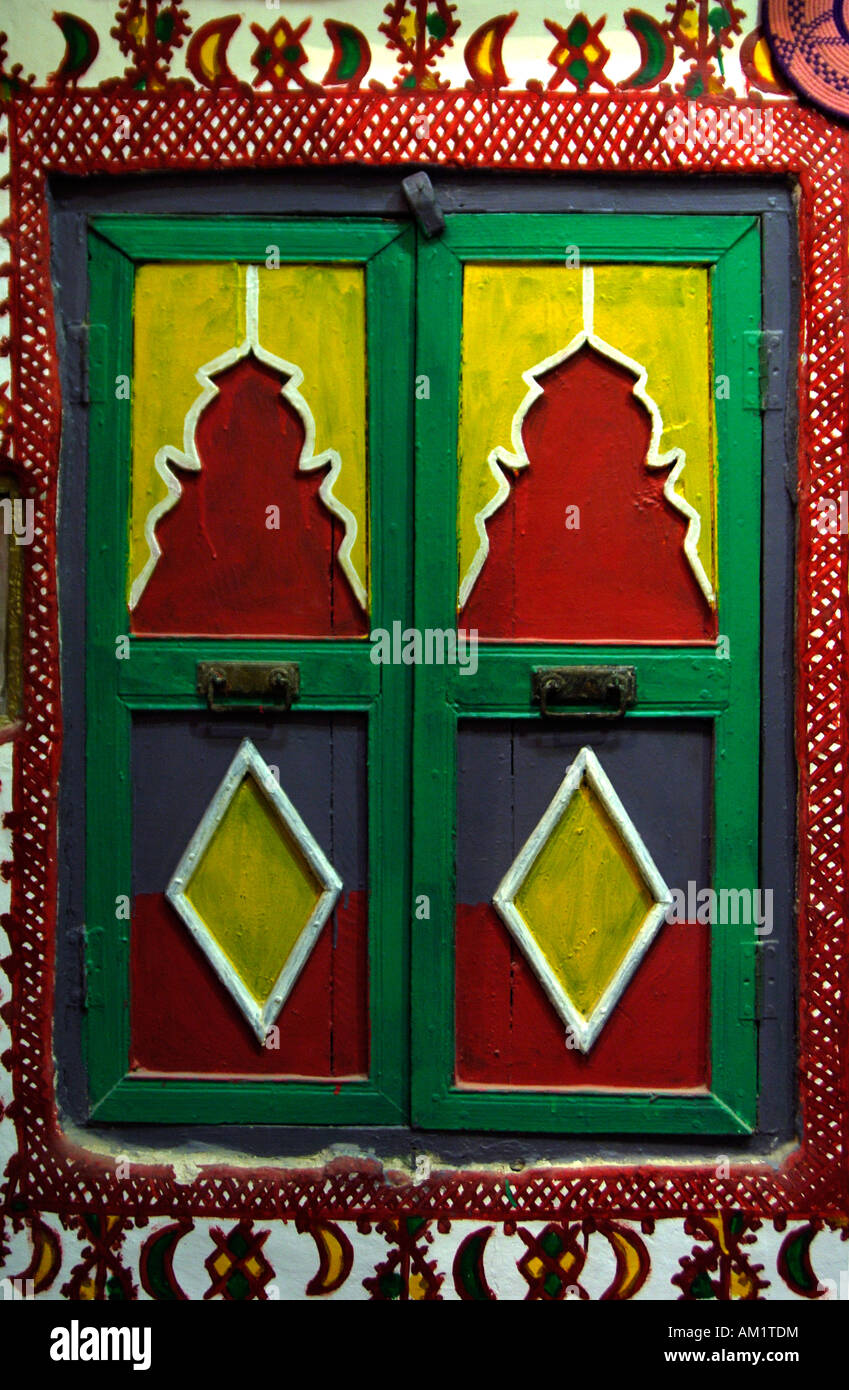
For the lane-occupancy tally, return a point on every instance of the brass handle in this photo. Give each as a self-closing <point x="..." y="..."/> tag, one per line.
<point x="258" y="682"/>
<point x="584" y="685"/>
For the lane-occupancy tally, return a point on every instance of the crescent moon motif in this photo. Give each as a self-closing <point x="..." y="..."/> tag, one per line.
<point x="206" y="55"/>
<point x="46" y="1257"/>
<point x="351" y="55"/>
<point x="756" y="62"/>
<point x="794" y="1263"/>
<point x="482" y="53"/>
<point x="156" y="1262"/>
<point x="335" y="1257"/>
<point x="81" y="48"/>
<point x="633" y="1263"/>
<point x="657" y="53"/>
<point x="469" y="1277"/>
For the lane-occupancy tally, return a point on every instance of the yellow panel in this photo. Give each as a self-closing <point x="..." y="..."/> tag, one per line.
<point x="188" y="314"/>
<point x="253" y="889"/>
<point x="584" y="900"/>
<point x="315" y="316"/>
<point x="515" y="316"/>
<point x="660" y="316"/>
<point x="184" y="316"/>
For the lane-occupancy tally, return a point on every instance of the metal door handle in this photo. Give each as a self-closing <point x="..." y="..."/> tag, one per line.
<point x="260" y="682"/>
<point x="584" y="685"/>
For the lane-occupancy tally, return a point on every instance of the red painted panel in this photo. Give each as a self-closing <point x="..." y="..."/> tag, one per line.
<point x="222" y="571"/>
<point x="509" y="1034"/>
<point x="184" y="1021"/>
<point x="622" y="574"/>
<point x="349" y="1015"/>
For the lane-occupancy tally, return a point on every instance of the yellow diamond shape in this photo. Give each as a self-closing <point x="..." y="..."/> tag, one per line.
<point x="584" y="899"/>
<point x="254" y="889"/>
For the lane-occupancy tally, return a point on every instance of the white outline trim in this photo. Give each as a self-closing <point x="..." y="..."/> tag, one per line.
<point x="585" y="1030"/>
<point x="188" y="460"/>
<point x="675" y="459"/>
<point x="248" y="762"/>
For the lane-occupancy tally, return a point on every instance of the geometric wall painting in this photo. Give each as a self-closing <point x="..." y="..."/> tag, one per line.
<point x="254" y="889"/>
<point x="236" y="541"/>
<point x="583" y="899"/>
<point x="590" y="539"/>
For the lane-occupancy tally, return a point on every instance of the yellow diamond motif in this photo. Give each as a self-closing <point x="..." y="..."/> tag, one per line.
<point x="254" y="889"/>
<point x="583" y="899"/>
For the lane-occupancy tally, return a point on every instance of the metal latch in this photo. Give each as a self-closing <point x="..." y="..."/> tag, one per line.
<point x="421" y="195"/>
<point x="585" y="685"/>
<point x="261" y="682"/>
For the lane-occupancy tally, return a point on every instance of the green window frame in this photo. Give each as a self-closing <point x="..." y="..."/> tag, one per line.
<point x="412" y="718"/>
<point x="336" y="674"/>
<point x="670" y="681"/>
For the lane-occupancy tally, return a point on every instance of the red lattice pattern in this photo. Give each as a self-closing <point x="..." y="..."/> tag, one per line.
<point x="81" y="134"/>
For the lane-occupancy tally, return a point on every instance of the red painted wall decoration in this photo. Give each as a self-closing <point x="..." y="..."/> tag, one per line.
<point x="67" y="1221"/>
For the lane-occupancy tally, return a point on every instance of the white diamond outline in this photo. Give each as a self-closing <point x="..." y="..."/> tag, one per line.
<point x="249" y="762"/>
<point x="584" y="1030"/>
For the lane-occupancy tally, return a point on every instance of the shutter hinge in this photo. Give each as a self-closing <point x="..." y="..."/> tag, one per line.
<point x="94" y="968"/>
<point x="758" y="1003"/>
<point x="98" y="354"/>
<point x="87" y="352"/>
<point x="769" y="964"/>
<point x="764" y="356"/>
<point x="76" y="342"/>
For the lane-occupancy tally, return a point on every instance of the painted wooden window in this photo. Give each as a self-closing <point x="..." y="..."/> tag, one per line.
<point x="597" y="476"/>
<point x="587" y="494"/>
<point x="237" y="559"/>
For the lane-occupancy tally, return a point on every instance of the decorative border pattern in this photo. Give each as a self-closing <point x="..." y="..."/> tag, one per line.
<point x="75" y="134"/>
<point x="130" y="1230"/>
<point x="693" y="49"/>
<point x="701" y="1258"/>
